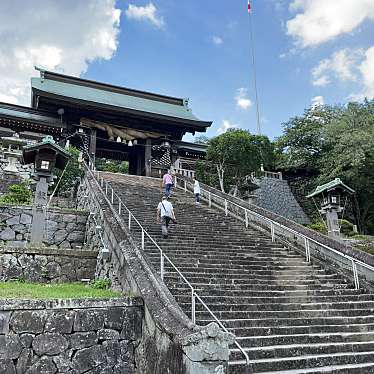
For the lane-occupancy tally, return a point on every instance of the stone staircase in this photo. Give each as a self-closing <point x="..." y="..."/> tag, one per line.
<point x="290" y="316"/>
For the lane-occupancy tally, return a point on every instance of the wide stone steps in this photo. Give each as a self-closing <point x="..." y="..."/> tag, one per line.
<point x="292" y="317"/>
<point x="296" y="362"/>
<point x="325" y="332"/>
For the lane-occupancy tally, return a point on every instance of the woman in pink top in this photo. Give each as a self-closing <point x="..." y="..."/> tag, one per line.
<point x="167" y="181"/>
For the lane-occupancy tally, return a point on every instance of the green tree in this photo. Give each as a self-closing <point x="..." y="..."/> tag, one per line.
<point x="237" y="153"/>
<point x="17" y="194"/>
<point x="68" y="178"/>
<point x="334" y="142"/>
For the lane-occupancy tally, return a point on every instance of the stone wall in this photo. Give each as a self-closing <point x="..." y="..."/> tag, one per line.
<point x="276" y="196"/>
<point x="46" y="265"/>
<point x="69" y="336"/>
<point x="64" y="228"/>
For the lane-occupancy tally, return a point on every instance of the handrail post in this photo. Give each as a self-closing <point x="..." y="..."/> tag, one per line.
<point x="142" y="238"/>
<point x="162" y="265"/>
<point x="355" y="275"/>
<point x="129" y="220"/>
<point x="246" y="218"/>
<point x="185" y="186"/>
<point x="119" y="207"/>
<point x="193" y="306"/>
<point x="307" y="249"/>
<point x="210" y="200"/>
<point x="112" y="198"/>
<point x="272" y="231"/>
<point x="106" y="188"/>
<point x="226" y="212"/>
<point x="176" y="182"/>
<point x="102" y="182"/>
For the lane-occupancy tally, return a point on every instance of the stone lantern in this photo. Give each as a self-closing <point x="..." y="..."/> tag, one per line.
<point x="331" y="194"/>
<point x="12" y="150"/>
<point x="45" y="156"/>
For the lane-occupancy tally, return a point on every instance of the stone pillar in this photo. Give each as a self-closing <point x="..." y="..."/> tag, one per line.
<point x="148" y="157"/>
<point x="39" y="211"/>
<point x="332" y="223"/>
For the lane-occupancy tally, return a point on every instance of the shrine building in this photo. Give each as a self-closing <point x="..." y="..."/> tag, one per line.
<point x="108" y="121"/>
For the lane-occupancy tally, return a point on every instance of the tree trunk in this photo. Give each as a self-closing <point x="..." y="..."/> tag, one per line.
<point x="221" y="171"/>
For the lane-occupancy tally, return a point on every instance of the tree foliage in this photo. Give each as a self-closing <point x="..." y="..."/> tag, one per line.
<point x="335" y="142"/>
<point x="235" y="154"/>
<point x="67" y="179"/>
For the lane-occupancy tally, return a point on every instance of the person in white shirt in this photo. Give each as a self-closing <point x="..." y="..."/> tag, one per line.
<point x="196" y="191"/>
<point x="165" y="214"/>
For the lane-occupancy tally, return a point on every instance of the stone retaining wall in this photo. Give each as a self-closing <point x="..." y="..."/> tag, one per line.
<point x="46" y="265"/>
<point x="69" y="336"/>
<point x="65" y="228"/>
<point x="276" y="196"/>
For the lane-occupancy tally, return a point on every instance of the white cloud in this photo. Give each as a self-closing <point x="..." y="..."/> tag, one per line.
<point x="226" y="125"/>
<point x="318" y="101"/>
<point x="341" y="65"/>
<point x="322" y="20"/>
<point x="148" y="13"/>
<point x="64" y="36"/>
<point x="217" y="40"/>
<point x="242" y="100"/>
<point x="367" y="76"/>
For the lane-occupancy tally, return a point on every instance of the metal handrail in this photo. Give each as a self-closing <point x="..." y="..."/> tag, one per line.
<point x="307" y="239"/>
<point x="163" y="256"/>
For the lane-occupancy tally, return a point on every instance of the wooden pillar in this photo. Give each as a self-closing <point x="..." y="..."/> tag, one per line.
<point x="93" y="144"/>
<point x="147" y="157"/>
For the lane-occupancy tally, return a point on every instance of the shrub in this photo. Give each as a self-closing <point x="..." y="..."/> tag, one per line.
<point x="17" y="194"/>
<point x="346" y="227"/>
<point x="101" y="284"/>
<point x="318" y="226"/>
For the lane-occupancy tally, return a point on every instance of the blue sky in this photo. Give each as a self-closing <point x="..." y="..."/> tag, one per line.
<point x="307" y="52"/>
<point x="202" y="51"/>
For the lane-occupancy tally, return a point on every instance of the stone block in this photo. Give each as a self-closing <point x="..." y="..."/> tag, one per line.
<point x="65" y="244"/>
<point x="4" y="216"/>
<point x="71" y="226"/>
<point x="44" y="365"/>
<point x="88" y="320"/>
<point x="69" y="218"/>
<point x="25" y="219"/>
<point x="101" y="369"/>
<point x="28" y="321"/>
<point x="63" y="361"/>
<point x="60" y="236"/>
<point x="108" y="334"/>
<point x="112" y="351"/>
<point x="26" y="340"/>
<point x="7" y="234"/>
<point x="88" y="358"/>
<point x="24" y="361"/>
<point x="10" y="347"/>
<point x="4" y="322"/>
<point x="123" y="368"/>
<point x="76" y="236"/>
<point x="81" y="340"/>
<point x="19" y="243"/>
<point x="114" y="318"/>
<point x="49" y="344"/>
<point x="15" y="220"/>
<point x="60" y="321"/>
<point x="19" y="228"/>
<point x="7" y="367"/>
<point x="82" y="219"/>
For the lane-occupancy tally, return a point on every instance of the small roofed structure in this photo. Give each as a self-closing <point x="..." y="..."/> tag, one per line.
<point x="331" y="194"/>
<point x="46" y="156"/>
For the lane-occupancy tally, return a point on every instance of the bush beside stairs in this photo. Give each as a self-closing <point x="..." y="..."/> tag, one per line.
<point x="291" y="317"/>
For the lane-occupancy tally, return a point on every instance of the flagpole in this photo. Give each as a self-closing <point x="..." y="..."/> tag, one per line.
<point x="254" y="68"/>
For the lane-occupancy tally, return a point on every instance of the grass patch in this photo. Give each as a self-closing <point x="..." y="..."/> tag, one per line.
<point x="23" y="290"/>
